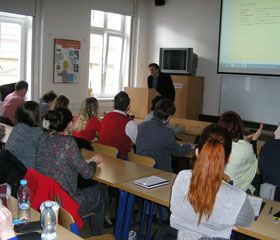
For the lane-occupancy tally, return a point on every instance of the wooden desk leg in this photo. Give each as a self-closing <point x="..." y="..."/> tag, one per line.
<point x="128" y="214"/>
<point x="120" y="214"/>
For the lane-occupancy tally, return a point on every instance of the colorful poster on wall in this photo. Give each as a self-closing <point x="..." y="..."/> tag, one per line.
<point x="66" y="61"/>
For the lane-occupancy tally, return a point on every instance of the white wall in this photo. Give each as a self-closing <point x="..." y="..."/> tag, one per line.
<point x="182" y="23"/>
<point x="65" y="19"/>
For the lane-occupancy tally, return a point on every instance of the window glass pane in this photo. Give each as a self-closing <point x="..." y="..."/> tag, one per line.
<point x="95" y="63"/>
<point x="113" y="65"/>
<point x="10" y="42"/>
<point x="97" y="18"/>
<point x="114" y="21"/>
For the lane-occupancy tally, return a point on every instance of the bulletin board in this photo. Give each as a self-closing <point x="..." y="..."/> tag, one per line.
<point x="66" y="61"/>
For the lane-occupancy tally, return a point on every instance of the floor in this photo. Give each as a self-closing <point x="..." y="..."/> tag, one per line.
<point x="85" y="231"/>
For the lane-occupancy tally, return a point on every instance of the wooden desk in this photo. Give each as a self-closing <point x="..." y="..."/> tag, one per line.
<point x="264" y="227"/>
<point x="9" y="129"/>
<point x="62" y="233"/>
<point x="113" y="170"/>
<point x="191" y="127"/>
<point x="160" y="195"/>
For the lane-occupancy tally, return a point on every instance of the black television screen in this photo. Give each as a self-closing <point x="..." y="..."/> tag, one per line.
<point x="174" y="59"/>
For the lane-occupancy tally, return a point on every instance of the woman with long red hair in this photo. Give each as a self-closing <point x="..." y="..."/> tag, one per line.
<point x="202" y="204"/>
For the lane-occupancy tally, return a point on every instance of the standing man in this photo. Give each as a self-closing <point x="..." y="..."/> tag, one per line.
<point x="13" y="100"/>
<point x="117" y="129"/>
<point x="162" y="82"/>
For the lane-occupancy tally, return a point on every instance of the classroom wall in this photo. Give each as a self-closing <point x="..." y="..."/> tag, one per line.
<point x="65" y="19"/>
<point x="182" y="23"/>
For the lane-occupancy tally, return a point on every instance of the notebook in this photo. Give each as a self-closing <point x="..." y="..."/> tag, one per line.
<point x="151" y="182"/>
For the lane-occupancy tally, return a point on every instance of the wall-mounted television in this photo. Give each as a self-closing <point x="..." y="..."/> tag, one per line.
<point x="178" y="61"/>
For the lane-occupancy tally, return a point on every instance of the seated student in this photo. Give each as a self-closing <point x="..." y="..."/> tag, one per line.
<point x="202" y="204"/>
<point x="59" y="102"/>
<point x="23" y="140"/>
<point x="6" y="224"/>
<point x="13" y="100"/>
<point x="86" y="123"/>
<point x="46" y="101"/>
<point x="177" y="129"/>
<point x="243" y="167"/>
<point x="269" y="160"/>
<point x="157" y="141"/>
<point x="59" y="157"/>
<point x="117" y="129"/>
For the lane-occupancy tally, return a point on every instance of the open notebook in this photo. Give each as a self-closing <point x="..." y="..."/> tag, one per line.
<point x="151" y="182"/>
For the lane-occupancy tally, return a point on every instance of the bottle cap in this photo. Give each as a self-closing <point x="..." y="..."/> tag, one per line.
<point x="48" y="204"/>
<point x="23" y="182"/>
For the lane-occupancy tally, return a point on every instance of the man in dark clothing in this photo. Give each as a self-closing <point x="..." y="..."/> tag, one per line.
<point x="162" y="82"/>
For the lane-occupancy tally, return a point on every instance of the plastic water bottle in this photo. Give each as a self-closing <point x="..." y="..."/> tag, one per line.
<point x="23" y="196"/>
<point x="48" y="222"/>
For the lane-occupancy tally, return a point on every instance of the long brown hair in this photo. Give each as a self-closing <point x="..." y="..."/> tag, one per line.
<point x="214" y="150"/>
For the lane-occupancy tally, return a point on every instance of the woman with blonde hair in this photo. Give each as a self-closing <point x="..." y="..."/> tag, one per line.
<point x="202" y="204"/>
<point x="86" y="123"/>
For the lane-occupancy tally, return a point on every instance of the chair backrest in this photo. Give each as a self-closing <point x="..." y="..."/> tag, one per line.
<point x="104" y="149"/>
<point x="226" y="178"/>
<point x="141" y="160"/>
<point x="65" y="218"/>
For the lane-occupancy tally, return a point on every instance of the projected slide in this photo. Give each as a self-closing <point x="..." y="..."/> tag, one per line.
<point x="250" y="37"/>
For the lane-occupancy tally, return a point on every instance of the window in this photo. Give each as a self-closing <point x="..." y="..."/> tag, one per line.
<point x="109" y="53"/>
<point x="15" y="48"/>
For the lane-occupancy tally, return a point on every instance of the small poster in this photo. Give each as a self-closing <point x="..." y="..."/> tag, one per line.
<point x="66" y="61"/>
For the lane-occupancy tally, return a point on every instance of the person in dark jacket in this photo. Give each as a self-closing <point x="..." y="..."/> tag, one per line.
<point x="161" y="82"/>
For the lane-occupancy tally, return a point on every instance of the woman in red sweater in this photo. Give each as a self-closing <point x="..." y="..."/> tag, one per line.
<point x="86" y="123"/>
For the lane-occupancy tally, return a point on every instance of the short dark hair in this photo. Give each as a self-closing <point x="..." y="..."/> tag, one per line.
<point x="156" y="66"/>
<point x="49" y="96"/>
<point x="155" y="101"/>
<point x="121" y="101"/>
<point x="29" y="113"/>
<point x="233" y="123"/>
<point x="21" y="85"/>
<point x="59" y="119"/>
<point x="164" y="108"/>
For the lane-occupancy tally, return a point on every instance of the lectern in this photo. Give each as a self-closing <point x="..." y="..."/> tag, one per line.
<point x="140" y="100"/>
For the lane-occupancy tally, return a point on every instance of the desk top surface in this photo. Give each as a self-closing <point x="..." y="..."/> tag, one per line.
<point x="265" y="227"/>
<point x="159" y="195"/>
<point x="113" y="170"/>
<point x="62" y="233"/>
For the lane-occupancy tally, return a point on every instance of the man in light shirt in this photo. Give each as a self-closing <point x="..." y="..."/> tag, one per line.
<point x="13" y="100"/>
<point x="117" y="129"/>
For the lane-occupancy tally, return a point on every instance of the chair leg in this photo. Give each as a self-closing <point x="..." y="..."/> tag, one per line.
<point x="150" y="221"/>
<point x="120" y="214"/>
<point x="129" y="210"/>
<point x="143" y="217"/>
<point x="74" y="228"/>
<point x="160" y="215"/>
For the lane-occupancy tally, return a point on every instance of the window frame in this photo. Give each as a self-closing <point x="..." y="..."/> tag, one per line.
<point x="107" y="33"/>
<point x="22" y="22"/>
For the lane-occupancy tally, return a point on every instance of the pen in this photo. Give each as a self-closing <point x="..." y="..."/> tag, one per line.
<point x="270" y="211"/>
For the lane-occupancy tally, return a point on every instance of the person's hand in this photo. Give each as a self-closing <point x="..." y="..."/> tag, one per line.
<point x="235" y="228"/>
<point x="6" y="224"/>
<point x="97" y="159"/>
<point x="255" y="135"/>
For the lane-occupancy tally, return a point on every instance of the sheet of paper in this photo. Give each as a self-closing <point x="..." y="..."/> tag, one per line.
<point x="256" y="203"/>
